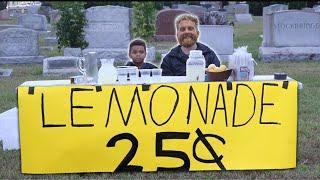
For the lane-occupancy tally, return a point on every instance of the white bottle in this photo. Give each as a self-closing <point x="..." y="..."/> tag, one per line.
<point x="107" y="72"/>
<point x="195" y="66"/>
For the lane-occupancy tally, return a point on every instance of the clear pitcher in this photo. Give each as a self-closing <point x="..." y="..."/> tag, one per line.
<point x="88" y="66"/>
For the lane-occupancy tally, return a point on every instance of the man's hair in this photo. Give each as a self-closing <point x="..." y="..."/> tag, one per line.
<point x="189" y="17"/>
<point x="137" y="42"/>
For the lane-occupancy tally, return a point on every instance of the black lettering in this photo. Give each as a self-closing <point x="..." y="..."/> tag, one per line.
<point x="78" y="107"/>
<point x="169" y="153"/>
<point x="191" y="92"/>
<point x="123" y="166"/>
<point x="125" y="120"/>
<point x="266" y="104"/>
<point x="220" y="108"/>
<point x="43" y="116"/>
<point x="174" y="108"/>
<point x="235" y="106"/>
<point x="216" y="159"/>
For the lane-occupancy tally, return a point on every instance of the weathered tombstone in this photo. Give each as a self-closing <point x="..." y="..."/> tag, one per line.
<point x="242" y="13"/>
<point x="54" y="16"/>
<point x="267" y="19"/>
<point x="61" y="65"/>
<point x="4" y="14"/>
<point x="196" y="10"/>
<point x="294" y="35"/>
<point x="165" y="27"/>
<point x="72" y="52"/>
<point x="5" y="72"/>
<point x="19" y="45"/>
<point x="219" y="38"/>
<point x="307" y="9"/>
<point x="33" y="9"/>
<point x="33" y="21"/>
<point x="241" y="8"/>
<point x="6" y="26"/>
<point x="215" y="18"/>
<point x="108" y="32"/>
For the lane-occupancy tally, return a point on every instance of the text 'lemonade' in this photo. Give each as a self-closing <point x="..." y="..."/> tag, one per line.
<point x="195" y="67"/>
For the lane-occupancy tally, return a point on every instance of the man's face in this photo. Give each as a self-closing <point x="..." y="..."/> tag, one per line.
<point x="137" y="54"/>
<point x="187" y="33"/>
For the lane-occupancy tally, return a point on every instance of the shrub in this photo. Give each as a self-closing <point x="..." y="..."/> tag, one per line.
<point x="143" y="25"/>
<point x="3" y="5"/>
<point x="70" y="27"/>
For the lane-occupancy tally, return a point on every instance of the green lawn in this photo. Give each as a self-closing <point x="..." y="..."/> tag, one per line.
<point x="308" y="157"/>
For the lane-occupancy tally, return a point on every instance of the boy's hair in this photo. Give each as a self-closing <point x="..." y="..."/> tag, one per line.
<point x="137" y="42"/>
<point x="189" y="17"/>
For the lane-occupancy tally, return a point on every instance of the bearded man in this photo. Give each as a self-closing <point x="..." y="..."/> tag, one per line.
<point x="174" y="63"/>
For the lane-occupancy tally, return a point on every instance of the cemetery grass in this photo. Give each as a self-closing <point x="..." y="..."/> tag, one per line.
<point x="308" y="154"/>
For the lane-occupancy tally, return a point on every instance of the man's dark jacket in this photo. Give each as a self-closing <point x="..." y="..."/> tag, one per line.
<point x="174" y="63"/>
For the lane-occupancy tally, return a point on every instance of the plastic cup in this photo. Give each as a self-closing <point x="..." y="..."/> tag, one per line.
<point x="156" y="75"/>
<point x="122" y="74"/>
<point x="133" y="74"/>
<point x="145" y="75"/>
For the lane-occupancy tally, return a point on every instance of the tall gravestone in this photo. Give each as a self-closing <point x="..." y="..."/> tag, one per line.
<point x="165" y="27"/>
<point x="242" y="14"/>
<point x="267" y="19"/>
<point x="199" y="11"/>
<point x="4" y="14"/>
<point x="294" y="35"/>
<point x="33" y="21"/>
<point x="108" y="32"/>
<point x="19" y="45"/>
<point x="219" y="38"/>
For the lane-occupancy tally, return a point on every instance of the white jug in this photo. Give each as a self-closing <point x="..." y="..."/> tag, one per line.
<point x="107" y="72"/>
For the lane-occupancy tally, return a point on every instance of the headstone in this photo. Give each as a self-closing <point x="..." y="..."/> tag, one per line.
<point x="243" y="18"/>
<point x="33" y="9"/>
<point x="215" y="18"/>
<point x="241" y="13"/>
<point x="199" y="11"/>
<point x="266" y="19"/>
<point x="54" y="16"/>
<point x="6" y="26"/>
<point x="307" y="9"/>
<point x="241" y="8"/>
<point x="108" y="32"/>
<point x="108" y="27"/>
<point x="19" y="45"/>
<point x="5" y="72"/>
<point x="72" y="52"/>
<point x="33" y="21"/>
<point x="165" y="27"/>
<point x="219" y="38"/>
<point x="4" y="14"/>
<point x="295" y="35"/>
<point x="51" y="41"/>
<point x="61" y="65"/>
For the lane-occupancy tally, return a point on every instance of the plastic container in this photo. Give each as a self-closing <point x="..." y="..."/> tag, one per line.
<point x="107" y="73"/>
<point x="195" y="66"/>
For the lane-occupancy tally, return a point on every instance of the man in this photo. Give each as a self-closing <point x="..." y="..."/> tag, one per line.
<point x="174" y="63"/>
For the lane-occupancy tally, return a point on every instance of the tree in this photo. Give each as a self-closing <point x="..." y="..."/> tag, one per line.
<point x="143" y="25"/>
<point x="70" y="27"/>
<point x="3" y="5"/>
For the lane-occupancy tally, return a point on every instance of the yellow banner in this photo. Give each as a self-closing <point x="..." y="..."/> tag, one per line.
<point x="182" y="126"/>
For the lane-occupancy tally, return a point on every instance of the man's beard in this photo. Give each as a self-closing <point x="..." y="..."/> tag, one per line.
<point x="187" y="39"/>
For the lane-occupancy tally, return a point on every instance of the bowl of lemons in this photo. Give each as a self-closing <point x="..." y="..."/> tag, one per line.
<point x="215" y="73"/>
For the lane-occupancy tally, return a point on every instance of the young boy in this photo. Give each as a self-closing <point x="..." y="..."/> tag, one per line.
<point x="137" y="53"/>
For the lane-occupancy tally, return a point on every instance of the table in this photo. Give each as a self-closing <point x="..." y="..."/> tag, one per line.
<point x="169" y="125"/>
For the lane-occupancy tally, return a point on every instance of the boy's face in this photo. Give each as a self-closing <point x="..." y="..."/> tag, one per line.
<point x="137" y="54"/>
